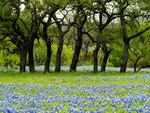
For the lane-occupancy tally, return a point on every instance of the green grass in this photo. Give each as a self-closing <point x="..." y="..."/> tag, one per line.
<point x="72" y="78"/>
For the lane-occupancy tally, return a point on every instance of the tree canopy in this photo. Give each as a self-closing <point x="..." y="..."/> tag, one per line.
<point x="101" y="27"/>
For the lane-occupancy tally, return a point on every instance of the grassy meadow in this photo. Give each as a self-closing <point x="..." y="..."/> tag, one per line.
<point x="76" y="92"/>
<point x="73" y="78"/>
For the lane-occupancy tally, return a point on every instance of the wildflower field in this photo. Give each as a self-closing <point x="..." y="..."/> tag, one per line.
<point x="79" y="92"/>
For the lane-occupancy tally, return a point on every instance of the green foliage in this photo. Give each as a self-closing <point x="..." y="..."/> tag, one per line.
<point x="39" y="52"/>
<point x="110" y="36"/>
<point x="67" y="55"/>
<point x="5" y="10"/>
<point x="8" y="57"/>
<point x="140" y="48"/>
<point x="116" y="55"/>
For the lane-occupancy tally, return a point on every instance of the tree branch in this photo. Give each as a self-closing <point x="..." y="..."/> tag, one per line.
<point x="139" y="33"/>
<point x="91" y="38"/>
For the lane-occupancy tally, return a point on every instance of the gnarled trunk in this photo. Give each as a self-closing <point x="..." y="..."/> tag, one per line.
<point x="95" y="54"/>
<point x="23" y="56"/>
<point x="59" y="53"/>
<point x="31" y="58"/>
<point x="78" y="46"/>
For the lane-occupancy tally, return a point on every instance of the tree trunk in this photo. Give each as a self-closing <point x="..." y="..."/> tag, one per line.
<point x="48" y="56"/>
<point x="59" y="53"/>
<point x="95" y="54"/>
<point x="136" y="62"/>
<point x="125" y="56"/>
<point x="23" y="56"/>
<point x="31" y="58"/>
<point x="125" y="41"/>
<point x="48" y="42"/>
<point x="78" y="46"/>
<point x="104" y="62"/>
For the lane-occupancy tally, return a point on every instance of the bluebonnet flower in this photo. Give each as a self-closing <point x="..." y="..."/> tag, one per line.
<point x="30" y="98"/>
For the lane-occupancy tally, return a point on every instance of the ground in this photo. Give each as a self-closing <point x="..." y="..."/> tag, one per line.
<point x="76" y="92"/>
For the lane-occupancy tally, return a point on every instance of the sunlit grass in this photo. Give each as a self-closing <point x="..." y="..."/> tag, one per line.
<point x="72" y="78"/>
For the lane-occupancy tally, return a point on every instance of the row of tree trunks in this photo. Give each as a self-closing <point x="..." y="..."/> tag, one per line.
<point x="24" y="51"/>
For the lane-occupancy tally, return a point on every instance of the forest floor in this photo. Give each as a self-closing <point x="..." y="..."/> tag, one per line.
<point x="75" y="92"/>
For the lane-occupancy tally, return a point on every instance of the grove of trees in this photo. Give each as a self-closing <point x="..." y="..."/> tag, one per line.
<point x="58" y="32"/>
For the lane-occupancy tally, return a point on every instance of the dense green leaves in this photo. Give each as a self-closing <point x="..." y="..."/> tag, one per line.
<point x="23" y="21"/>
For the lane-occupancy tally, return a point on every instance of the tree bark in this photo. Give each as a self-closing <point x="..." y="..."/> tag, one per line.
<point x="104" y="62"/>
<point x="48" y="42"/>
<point x="62" y="33"/>
<point x="126" y="43"/>
<point x="31" y="58"/>
<point x="95" y="54"/>
<point x="48" y="56"/>
<point x="78" y="46"/>
<point x="23" y="56"/>
<point x="59" y="53"/>
<point x="125" y="56"/>
<point x="78" y="42"/>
